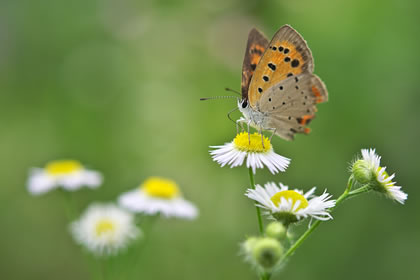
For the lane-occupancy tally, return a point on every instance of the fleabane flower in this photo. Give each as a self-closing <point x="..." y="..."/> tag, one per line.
<point x="105" y="229"/>
<point x="368" y="171"/>
<point x="70" y="175"/>
<point x="158" y="196"/>
<point x="289" y="206"/>
<point x="250" y="146"/>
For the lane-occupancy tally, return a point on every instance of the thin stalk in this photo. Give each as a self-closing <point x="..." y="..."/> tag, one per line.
<point x="260" y="222"/>
<point x="68" y="205"/>
<point x="147" y="223"/>
<point x="358" y="191"/>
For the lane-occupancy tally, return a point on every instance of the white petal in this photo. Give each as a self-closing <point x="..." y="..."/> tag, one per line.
<point x="40" y="182"/>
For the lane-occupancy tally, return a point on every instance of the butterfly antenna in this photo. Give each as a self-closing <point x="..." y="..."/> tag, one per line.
<point x="222" y="97"/>
<point x="232" y="90"/>
<point x="217" y="97"/>
<point x="230" y="112"/>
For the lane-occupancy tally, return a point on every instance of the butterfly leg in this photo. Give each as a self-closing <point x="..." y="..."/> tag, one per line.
<point x="241" y="123"/>
<point x="274" y="132"/>
<point x="249" y="134"/>
<point x="262" y="137"/>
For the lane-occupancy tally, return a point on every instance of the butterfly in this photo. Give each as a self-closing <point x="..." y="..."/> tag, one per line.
<point x="279" y="91"/>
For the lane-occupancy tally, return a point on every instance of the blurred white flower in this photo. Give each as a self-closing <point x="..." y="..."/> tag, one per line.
<point x="67" y="174"/>
<point x="250" y="146"/>
<point x="376" y="176"/>
<point x="105" y="229"/>
<point x="158" y="195"/>
<point x="289" y="206"/>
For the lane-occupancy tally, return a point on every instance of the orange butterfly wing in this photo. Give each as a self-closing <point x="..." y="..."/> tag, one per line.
<point x="255" y="48"/>
<point x="286" y="55"/>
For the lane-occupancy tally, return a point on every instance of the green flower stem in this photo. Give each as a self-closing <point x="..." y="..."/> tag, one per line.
<point x="147" y="223"/>
<point x="358" y="191"/>
<point x="260" y="222"/>
<point x="106" y="268"/>
<point x="266" y="276"/>
<point x="346" y="194"/>
<point x="68" y="205"/>
<point x="263" y="276"/>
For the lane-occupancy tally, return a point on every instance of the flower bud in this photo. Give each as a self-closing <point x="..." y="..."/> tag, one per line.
<point x="362" y="171"/>
<point x="267" y="252"/>
<point x="276" y="230"/>
<point x="248" y="245"/>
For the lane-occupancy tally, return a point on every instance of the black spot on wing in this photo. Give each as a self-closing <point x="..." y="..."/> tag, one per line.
<point x="272" y="66"/>
<point x="258" y="51"/>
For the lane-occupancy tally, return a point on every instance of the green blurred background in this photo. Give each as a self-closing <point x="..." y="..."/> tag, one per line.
<point x="116" y="84"/>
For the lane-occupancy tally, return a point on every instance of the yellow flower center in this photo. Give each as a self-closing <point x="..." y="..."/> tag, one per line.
<point x="60" y="167"/>
<point x="242" y="142"/>
<point x="160" y="187"/>
<point x="289" y="194"/>
<point x="104" y="226"/>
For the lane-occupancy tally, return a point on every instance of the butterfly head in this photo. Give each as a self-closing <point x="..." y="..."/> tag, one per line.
<point x="244" y="107"/>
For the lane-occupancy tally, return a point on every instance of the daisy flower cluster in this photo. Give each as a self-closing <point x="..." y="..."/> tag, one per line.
<point x="287" y="207"/>
<point x="105" y="229"/>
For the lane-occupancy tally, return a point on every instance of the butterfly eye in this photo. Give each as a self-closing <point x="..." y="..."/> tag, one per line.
<point x="244" y="104"/>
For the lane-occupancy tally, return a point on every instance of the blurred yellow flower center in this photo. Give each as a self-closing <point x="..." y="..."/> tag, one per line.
<point x="161" y="188"/>
<point x="58" y="167"/>
<point x="242" y="143"/>
<point x="104" y="226"/>
<point x="293" y="195"/>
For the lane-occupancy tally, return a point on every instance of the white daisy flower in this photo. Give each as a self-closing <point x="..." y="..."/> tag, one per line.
<point x="105" y="229"/>
<point x="68" y="174"/>
<point x="289" y="206"/>
<point x="250" y="146"/>
<point x="376" y="176"/>
<point x="158" y="195"/>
